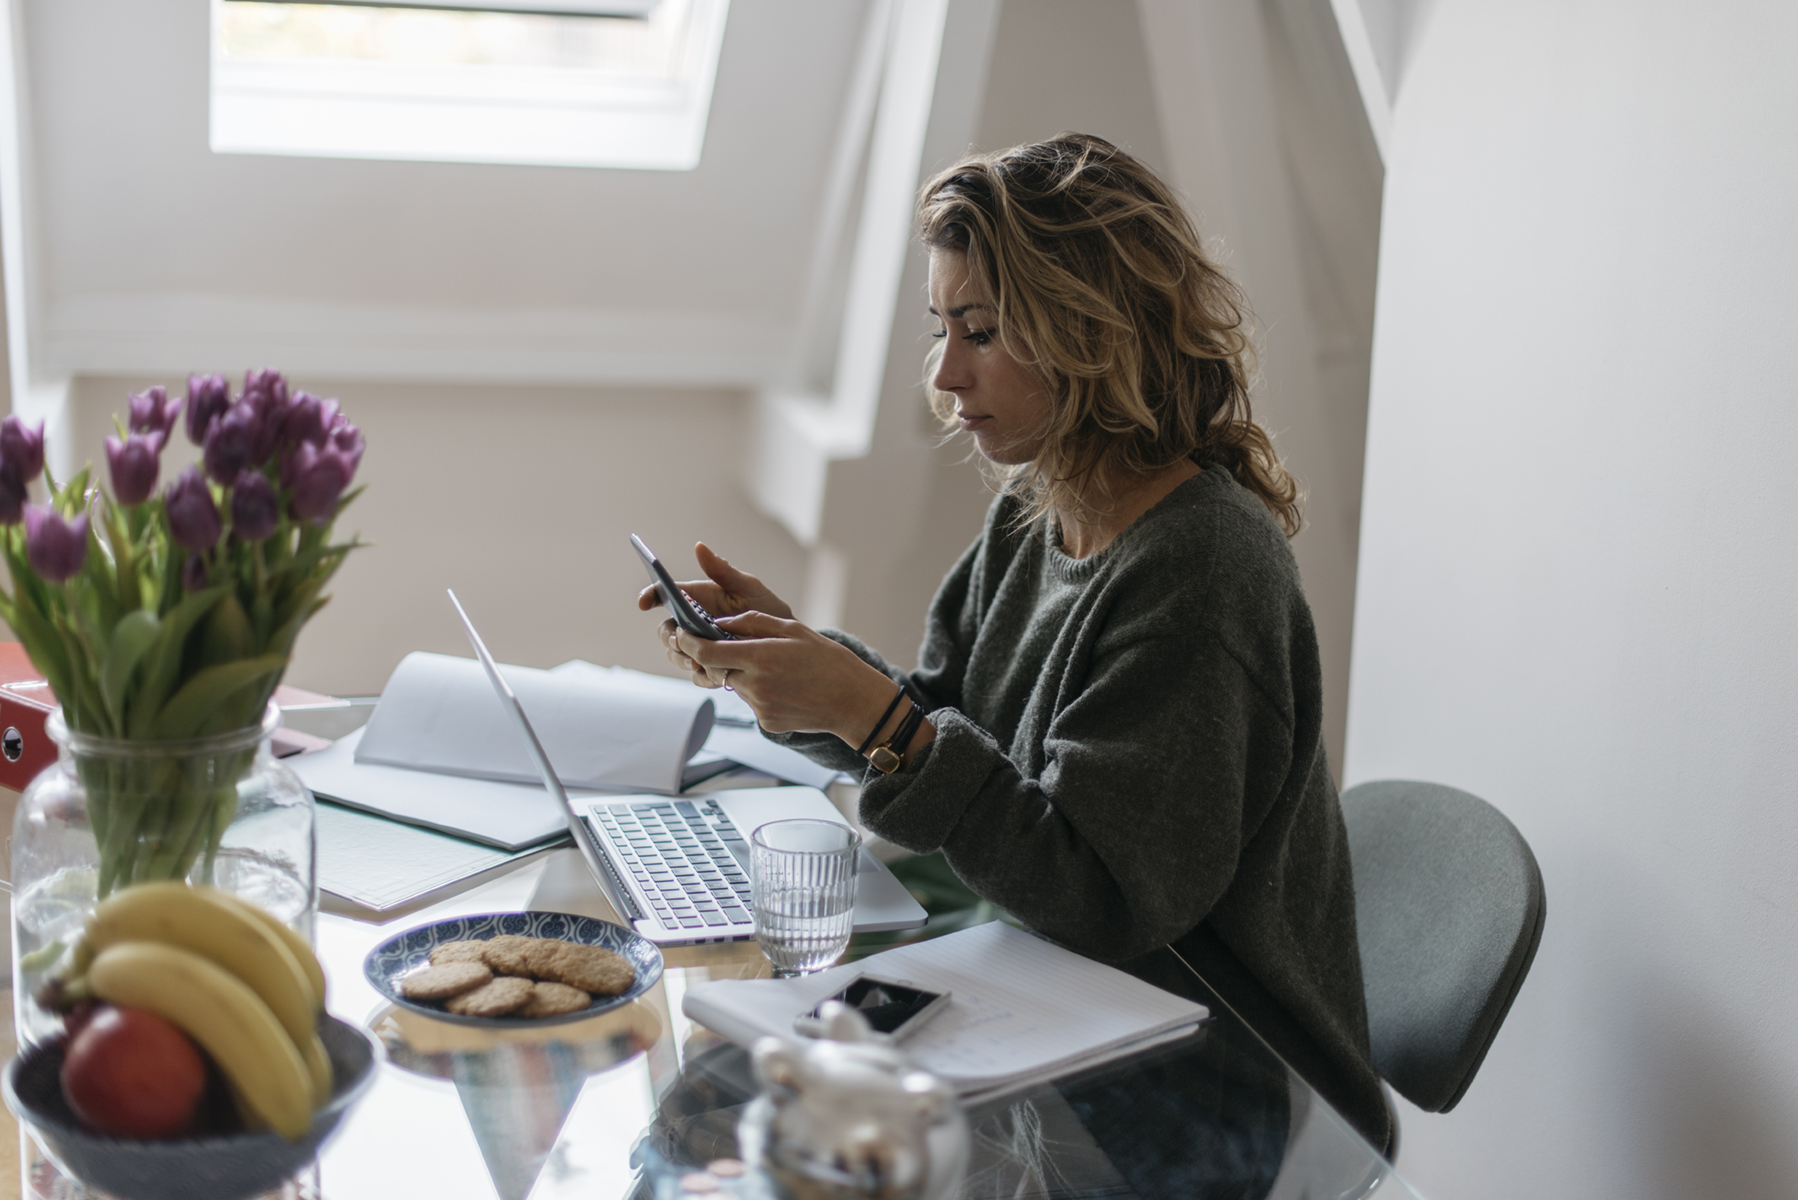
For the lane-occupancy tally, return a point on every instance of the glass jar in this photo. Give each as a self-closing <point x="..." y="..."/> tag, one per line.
<point x="221" y="810"/>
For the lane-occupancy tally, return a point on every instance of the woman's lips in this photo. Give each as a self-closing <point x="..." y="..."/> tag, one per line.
<point x="971" y="421"/>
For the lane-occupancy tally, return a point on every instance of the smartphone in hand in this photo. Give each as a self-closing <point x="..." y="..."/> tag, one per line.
<point x="686" y="611"/>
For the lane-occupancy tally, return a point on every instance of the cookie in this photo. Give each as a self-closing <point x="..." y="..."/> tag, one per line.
<point x="503" y="995"/>
<point x="554" y="1000"/>
<point x="450" y="952"/>
<point x="591" y="968"/>
<point x="442" y="982"/>
<point x="538" y="956"/>
<point x="508" y="954"/>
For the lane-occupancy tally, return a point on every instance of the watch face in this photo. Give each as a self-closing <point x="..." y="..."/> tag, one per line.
<point x="884" y="760"/>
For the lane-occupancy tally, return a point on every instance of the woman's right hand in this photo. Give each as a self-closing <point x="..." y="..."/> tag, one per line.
<point x="725" y="593"/>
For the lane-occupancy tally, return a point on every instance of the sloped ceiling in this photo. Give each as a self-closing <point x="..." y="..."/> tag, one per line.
<point x="149" y="252"/>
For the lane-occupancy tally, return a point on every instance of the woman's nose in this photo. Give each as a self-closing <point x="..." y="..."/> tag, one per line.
<point x="951" y="372"/>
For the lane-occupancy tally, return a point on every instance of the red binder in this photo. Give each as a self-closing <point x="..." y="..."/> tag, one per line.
<point x="25" y="700"/>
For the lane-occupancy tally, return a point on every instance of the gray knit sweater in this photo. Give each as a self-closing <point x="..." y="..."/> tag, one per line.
<point x="1129" y="754"/>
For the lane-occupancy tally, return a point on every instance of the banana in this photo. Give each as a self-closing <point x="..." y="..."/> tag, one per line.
<point x="301" y="949"/>
<point x="220" y="1012"/>
<point x="198" y="919"/>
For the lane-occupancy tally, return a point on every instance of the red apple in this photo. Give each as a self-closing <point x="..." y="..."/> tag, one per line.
<point x="130" y="1073"/>
<point x="76" y="1019"/>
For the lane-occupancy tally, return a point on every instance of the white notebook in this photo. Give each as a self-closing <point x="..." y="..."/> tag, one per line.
<point x="379" y="864"/>
<point x="1021" y="1010"/>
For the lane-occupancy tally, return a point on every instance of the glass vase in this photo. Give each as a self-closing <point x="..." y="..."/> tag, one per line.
<point x="221" y="810"/>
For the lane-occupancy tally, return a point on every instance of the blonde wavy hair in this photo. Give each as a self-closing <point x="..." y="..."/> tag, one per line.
<point x="1101" y="285"/>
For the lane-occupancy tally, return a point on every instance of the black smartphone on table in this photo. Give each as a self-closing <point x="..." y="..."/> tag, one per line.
<point x="893" y="1008"/>
<point x="686" y="611"/>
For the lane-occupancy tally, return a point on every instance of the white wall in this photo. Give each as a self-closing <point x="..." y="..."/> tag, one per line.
<point x="1579" y="581"/>
<point x="1266" y="135"/>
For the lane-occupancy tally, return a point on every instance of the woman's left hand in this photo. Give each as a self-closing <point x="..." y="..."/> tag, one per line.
<point x="795" y="678"/>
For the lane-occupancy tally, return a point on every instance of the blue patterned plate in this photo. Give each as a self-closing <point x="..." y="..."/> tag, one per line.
<point x="405" y="952"/>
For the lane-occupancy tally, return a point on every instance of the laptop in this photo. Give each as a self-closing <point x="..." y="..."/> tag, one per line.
<point x="676" y="868"/>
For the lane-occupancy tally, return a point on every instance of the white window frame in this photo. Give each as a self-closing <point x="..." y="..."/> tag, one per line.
<point x="543" y="116"/>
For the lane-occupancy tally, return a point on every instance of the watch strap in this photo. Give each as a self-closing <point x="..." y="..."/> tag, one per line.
<point x="881" y="724"/>
<point x="891" y="757"/>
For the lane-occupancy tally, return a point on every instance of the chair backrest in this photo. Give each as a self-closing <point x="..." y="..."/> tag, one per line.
<point x="1448" y="908"/>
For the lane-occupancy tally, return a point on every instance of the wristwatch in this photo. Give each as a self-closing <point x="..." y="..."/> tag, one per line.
<point x="890" y="757"/>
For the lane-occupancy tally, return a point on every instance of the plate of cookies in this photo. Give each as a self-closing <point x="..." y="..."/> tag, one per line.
<point x="514" y="970"/>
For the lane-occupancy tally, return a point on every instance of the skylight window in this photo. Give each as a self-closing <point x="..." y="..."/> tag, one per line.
<point x="468" y="81"/>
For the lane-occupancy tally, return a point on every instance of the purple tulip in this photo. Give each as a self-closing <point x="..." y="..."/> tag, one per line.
<point x="309" y="419"/>
<point x="318" y="478"/>
<point x="12" y="498"/>
<point x="154" y="413"/>
<point x="265" y="394"/>
<point x="21" y="449"/>
<point x="265" y="388"/>
<point x="231" y="443"/>
<point x="208" y="396"/>
<point x="255" y="512"/>
<point x="55" y="548"/>
<point x="193" y="517"/>
<point x="348" y="441"/>
<point x="134" y="465"/>
<point x="193" y="573"/>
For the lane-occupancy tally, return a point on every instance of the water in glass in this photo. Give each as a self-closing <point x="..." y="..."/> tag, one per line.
<point x="803" y="888"/>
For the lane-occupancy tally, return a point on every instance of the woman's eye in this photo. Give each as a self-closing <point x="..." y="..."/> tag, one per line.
<point x="979" y="337"/>
<point x="941" y="333"/>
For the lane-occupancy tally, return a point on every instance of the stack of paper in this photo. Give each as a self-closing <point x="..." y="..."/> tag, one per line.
<point x="1021" y="1010"/>
<point x="439" y="713"/>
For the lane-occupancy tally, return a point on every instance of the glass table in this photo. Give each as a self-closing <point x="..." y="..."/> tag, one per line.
<point x="626" y="1104"/>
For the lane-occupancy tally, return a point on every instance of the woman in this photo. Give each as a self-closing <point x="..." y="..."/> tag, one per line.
<point x="1114" y="732"/>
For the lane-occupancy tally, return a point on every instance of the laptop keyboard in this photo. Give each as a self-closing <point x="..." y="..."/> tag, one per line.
<point x="687" y="858"/>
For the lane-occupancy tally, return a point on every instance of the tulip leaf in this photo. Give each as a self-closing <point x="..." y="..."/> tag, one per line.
<point x="132" y="637"/>
<point x="47" y="651"/>
<point x="165" y="661"/>
<point x="190" y="706"/>
<point x="283" y="639"/>
<point x="226" y="636"/>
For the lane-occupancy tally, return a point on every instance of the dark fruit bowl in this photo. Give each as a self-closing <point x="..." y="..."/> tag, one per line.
<point x="225" y="1167"/>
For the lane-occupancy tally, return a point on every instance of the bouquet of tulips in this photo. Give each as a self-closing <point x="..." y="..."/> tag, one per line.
<point x="169" y="616"/>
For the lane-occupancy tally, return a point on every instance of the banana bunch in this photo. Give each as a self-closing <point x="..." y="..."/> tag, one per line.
<point x="238" y="982"/>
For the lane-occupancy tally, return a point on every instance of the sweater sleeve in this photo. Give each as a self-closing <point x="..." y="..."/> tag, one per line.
<point x="1134" y="828"/>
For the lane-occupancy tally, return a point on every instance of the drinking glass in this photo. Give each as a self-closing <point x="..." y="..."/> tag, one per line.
<point x="802" y="885"/>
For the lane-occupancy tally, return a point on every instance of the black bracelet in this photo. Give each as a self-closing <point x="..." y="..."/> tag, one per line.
<point x="891" y="757"/>
<point x="881" y="724"/>
<point x="914" y="720"/>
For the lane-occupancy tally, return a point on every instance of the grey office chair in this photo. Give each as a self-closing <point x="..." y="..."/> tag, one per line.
<point x="1448" y="907"/>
